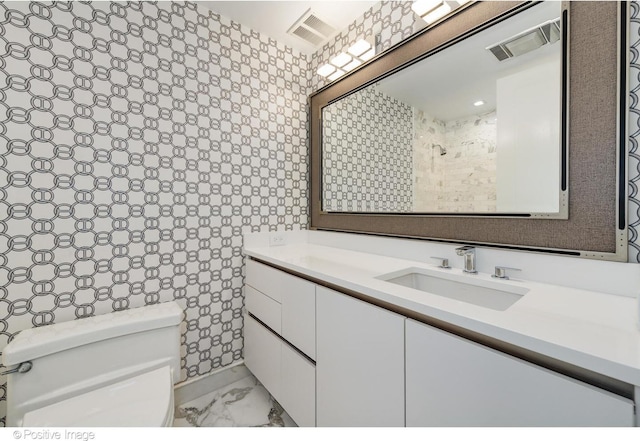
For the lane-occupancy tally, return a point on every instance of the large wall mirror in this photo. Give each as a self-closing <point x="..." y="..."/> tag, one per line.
<point x="503" y="124"/>
<point x="474" y="128"/>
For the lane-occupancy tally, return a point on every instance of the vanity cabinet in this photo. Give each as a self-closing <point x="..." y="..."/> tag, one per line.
<point x="452" y="381"/>
<point x="360" y="364"/>
<point x="331" y="359"/>
<point x="279" y="338"/>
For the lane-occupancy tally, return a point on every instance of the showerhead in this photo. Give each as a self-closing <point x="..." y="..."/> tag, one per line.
<point x="443" y="151"/>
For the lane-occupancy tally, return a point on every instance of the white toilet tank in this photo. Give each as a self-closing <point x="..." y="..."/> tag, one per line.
<point x="73" y="358"/>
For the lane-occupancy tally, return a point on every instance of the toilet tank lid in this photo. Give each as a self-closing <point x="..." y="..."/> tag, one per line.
<point x="33" y="343"/>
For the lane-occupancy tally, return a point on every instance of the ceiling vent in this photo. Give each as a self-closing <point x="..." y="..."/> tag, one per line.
<point x="531" y="39"/>
<point x="312" y="29"/>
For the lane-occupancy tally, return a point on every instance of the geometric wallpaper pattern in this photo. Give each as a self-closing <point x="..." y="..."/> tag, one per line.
<point x="137" y="141"/>
<point x="634" y="134"/>
<point x="367" y="173"/>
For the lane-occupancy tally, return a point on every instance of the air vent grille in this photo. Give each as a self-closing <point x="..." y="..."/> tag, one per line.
<point x="527" y="41"/>
<point x="318" y="25"/>
<point x="307" y="35"/>
<point x="312" y="29"/>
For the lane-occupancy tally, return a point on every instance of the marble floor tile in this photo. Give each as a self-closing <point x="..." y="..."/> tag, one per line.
<point x="245" y="403"/>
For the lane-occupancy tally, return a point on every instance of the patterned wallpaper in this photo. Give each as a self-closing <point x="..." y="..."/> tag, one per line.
<point x="137" y="141"/>
<point x="373" y="175"/>
<point x="634" y="133"/>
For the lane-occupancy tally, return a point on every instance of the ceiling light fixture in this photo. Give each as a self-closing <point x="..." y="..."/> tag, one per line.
<point x="326" y="70"/>
<point x="337" y="74"/>
<point x="354" y="63"/>
<point x="341" y="59"/>
<point x="359" y="48"/>
<point x="433" y="10"/>
<point x="360" y="52"/>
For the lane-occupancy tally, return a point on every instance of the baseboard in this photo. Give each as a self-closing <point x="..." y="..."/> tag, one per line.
<point x="197" y="387"/>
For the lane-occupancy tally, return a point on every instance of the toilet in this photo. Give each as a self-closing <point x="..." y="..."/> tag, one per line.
<point x="112" y="370"/>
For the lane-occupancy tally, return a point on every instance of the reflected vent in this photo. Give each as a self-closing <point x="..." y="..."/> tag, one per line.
<point x="312" y="29"/>
<point x="527" y="41"/>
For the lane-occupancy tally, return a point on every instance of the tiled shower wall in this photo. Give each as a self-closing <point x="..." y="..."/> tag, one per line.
<point x="451" y="157"/>
<point x="137" y="141"/>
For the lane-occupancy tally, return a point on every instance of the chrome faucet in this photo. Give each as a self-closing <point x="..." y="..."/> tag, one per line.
<point x="469" y="254"/>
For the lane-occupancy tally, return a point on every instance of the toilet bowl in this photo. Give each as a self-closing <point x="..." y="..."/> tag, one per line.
<point x="113" y="370"/>
<point x="144" y="400"/>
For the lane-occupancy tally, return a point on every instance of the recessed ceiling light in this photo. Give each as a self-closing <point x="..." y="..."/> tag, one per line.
<point x="479" y="103"/>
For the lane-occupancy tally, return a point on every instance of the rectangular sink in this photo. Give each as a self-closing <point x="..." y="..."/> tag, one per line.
<point x="489" y="294"/>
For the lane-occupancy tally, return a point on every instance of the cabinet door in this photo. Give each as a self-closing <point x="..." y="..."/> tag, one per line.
<point x="262" y="355"/>
<point x="454" y="382"/>
<point x="298" y="387"/>
<point x="360" y="363"/>
<point x="299" y="315"/>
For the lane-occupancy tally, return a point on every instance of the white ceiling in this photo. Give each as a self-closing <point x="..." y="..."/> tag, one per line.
<point x="274" y="18"/>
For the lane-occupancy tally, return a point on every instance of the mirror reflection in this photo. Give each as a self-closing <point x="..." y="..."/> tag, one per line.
<point x="474" y="128"/>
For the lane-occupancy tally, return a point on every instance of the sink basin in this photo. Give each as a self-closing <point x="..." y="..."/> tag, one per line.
<point x="486" y="293"/>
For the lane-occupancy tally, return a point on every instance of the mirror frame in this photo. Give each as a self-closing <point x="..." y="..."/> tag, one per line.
<point x="595" y="132"/>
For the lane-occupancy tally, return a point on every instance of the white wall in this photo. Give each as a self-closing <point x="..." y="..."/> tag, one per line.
<point x="528" y="160"/>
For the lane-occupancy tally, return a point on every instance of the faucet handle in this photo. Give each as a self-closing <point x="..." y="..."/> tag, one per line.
<point x="461" y="251"/>
<point x="501" y="272"/>
<point x="444" y="262"/>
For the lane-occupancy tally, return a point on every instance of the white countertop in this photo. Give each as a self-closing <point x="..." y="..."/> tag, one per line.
<point x="593" y="330"/>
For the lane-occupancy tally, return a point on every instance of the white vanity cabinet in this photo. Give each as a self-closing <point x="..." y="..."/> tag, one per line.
<point x="279" y="338"/>
<point x="452" y="381"/>
<point x="360" y="364"/>
<point x="333" y="360"/>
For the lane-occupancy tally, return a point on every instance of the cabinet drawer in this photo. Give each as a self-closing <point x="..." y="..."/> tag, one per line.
<point x="263" y="307"/>
<point x="273" y="282"/>
<point x="262" y="355"/>
<point x="298" y="387"/>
